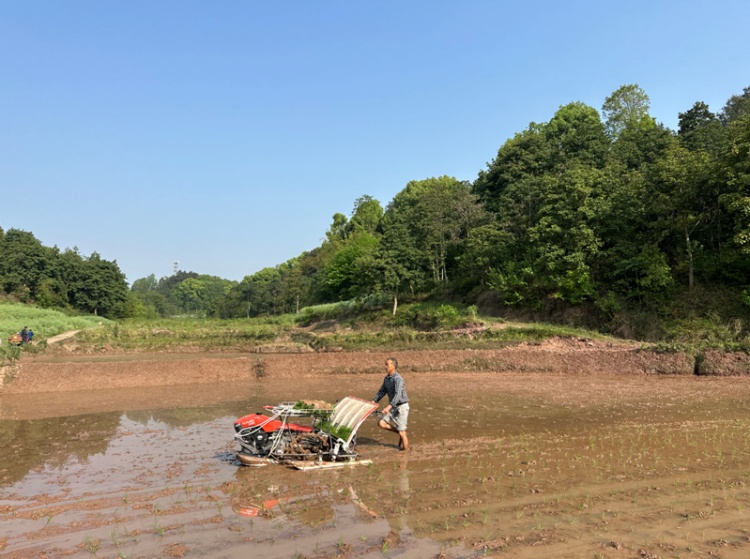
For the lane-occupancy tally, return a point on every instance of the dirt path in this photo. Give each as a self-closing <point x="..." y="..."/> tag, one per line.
<point x="62" y="337"/>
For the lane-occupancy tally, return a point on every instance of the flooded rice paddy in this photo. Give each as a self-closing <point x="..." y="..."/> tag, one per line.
<point x="502" y="465"/>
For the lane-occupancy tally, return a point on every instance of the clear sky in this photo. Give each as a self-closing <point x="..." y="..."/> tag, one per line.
<point x="226" y="134"/>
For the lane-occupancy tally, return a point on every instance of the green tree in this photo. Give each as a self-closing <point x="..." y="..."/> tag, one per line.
<point x="487" y="247"/>
<point x="627" y="108"/>
<point x="257" y="294"/>
<point x="630" y="262"/>
<point x="295" y="276"/>
<point x="349" y="274"/>
<point x="682" y="200"/>
<point x="737" y="107"/>
<point x="564" y="238"/>
<point x="144" y="285"/>
<point x="735" y="169"/>
<point x="579" y="136"/>
<point x="439" y="213"/>
<point x="366" y="215"/>
<point x="190" y="293"/>
<point x="701" y="130"/>
<point x="339" y="227"/>
<point x="398" y="261"/>
<point x="519" y="161"/>
<point x="100" y="287"/>
<point x="24" y="264"/>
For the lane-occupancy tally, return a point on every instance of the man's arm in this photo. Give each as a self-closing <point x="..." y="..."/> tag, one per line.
<point x="380" y="394"/>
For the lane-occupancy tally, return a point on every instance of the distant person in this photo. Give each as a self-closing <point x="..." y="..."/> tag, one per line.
<point x="30" y="335"/>
<point x="24" y="335"/>
<point x="396" y="413"/>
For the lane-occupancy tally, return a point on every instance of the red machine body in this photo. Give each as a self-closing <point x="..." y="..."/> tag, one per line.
<point x="267" y="424"/>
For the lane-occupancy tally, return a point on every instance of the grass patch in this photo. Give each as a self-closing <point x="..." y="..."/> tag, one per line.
<point x="705" y="318"/>
<point x="196" y="333"/>
<point x="347" y="325"/>
<point x="44" y="322"/>
<point x="351" y="326"/>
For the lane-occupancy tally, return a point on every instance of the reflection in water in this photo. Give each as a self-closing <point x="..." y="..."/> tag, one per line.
<point x="52" y="443"/>
<point x="365" y="507"/>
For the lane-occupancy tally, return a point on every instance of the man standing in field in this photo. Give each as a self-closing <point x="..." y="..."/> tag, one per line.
<point x="396" y="413"/>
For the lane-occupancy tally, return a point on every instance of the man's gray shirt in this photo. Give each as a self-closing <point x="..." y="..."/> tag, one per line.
<point x="393" y="385"/>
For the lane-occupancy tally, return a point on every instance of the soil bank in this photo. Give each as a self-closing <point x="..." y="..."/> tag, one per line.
<point x="60" y="372"/>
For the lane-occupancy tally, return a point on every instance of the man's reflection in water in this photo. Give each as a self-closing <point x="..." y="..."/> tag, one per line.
<point x="398" y="519"/>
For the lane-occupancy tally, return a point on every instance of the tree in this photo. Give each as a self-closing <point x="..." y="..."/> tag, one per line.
<point x="735" y="168"/>
<point x="737" y="107"/>
<point x="439" y="212"/>
<point x="527" y="155"/>
<point x="366" y="215"/>
<point x="295" y="275"/>
<point x="349" y="274"/>
<point x="190" y="293"/>
<point x="144" y="285"/>
<point x="578" y="133"/>
<point x="398" y="260"/>
<point x="24" y="264"/>
<point x="257" y="294"/>
<point x="701" y="130"/>
<point x="637" y="148"/>
<point x="338" y="229"/>
<point x="627" y="108"/>
<point x="681" y="198"/>
<point x="487" y="247"/>
<point x="545" y="189"/>
<point x="100" y="287"/>
<point x="564" y="239"/>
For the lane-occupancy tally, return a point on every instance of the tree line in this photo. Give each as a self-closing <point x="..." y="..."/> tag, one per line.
<point x="606" y="209"/>
<point x="68" y="280"/>
<point x="33" y="273"/>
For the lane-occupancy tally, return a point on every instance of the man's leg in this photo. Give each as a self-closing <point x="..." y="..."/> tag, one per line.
<point x="383" y="424"/>
<point x="401" y="434"/>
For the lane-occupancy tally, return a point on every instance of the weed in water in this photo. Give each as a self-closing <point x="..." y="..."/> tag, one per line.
<point x="115" y="537"/>
<point x="92" y="545"/>
<point x="158" y="530"/>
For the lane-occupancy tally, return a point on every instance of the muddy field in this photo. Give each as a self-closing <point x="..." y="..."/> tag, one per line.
<point x="529" y="456"/>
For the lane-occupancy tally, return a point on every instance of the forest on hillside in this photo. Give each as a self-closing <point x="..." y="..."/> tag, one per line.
<point x="63" y="279"/>
<point x="604" y="210"/>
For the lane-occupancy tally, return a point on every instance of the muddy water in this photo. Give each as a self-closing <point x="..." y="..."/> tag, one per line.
<point x="518" y="465"/>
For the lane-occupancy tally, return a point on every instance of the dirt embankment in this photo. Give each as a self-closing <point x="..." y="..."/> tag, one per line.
<point x="53" y="373"/>
<point x="571" y="356"/>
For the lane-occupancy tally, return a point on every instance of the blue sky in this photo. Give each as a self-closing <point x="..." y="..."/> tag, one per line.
<point x="226" y="134"/>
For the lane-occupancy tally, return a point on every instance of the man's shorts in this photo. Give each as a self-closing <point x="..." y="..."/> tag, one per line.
<point x="398" y="417"/>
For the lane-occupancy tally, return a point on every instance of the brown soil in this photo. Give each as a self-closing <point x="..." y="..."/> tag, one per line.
<point x="56" y="373"/>
<point x="564" y="449"/>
